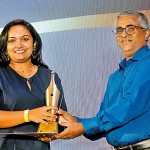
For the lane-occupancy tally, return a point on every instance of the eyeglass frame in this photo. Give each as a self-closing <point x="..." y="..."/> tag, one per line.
<point x="125" y="29"/>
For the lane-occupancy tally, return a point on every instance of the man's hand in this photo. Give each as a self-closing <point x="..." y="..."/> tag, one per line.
<point x="65" y="117"/>
<point x="74" y="129"/>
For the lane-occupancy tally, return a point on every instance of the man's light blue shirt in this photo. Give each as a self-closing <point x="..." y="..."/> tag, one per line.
<point x="124" y="115"/>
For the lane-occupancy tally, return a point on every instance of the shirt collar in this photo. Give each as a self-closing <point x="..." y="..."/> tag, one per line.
<point x="122" y="64"/>
<point x="136" y="57"/>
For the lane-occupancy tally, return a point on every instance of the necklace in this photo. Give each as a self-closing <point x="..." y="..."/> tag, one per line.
<point x="26" y="74"/>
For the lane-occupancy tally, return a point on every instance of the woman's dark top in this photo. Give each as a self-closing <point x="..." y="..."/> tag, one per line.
<point x="15" y="95"/>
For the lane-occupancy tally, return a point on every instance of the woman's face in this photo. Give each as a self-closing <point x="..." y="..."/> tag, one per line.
<point x="20" y="44"/>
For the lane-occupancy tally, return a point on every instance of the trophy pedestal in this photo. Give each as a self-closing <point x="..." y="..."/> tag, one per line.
<point x="51" y="127"/>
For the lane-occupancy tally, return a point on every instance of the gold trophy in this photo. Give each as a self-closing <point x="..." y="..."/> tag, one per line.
<point x="51" y="98"/>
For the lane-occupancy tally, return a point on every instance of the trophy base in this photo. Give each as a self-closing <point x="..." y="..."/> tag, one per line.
<point x="51" y="127"/>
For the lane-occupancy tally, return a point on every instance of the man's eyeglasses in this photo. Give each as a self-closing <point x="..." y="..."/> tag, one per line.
<point x="129" y="29"/>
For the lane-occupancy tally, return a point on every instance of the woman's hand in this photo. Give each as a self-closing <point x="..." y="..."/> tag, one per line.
<point x="43" y="114"/>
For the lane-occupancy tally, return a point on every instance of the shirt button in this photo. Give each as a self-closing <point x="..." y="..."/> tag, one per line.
<point x="93" y="131"/>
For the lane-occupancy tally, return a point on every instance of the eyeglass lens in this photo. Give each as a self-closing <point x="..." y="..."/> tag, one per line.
<point x="129" y="30"/>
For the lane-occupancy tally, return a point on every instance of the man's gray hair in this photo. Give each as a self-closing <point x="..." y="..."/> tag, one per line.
<point x="142" y="18"/>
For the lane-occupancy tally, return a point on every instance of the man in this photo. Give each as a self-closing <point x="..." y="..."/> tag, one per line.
<point x="124" y="115"/>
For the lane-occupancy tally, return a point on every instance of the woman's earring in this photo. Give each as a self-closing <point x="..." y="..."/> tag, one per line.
<point x="5" y="56"/>
<point x="34" y="52"/>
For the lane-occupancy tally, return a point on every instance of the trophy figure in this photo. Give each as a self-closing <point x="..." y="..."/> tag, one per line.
<point x="51" y="99"/>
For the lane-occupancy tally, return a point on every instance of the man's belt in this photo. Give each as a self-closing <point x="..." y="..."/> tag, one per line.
<point x="136" y="146"/>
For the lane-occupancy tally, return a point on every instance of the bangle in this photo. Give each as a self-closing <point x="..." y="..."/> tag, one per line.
<point x="26" y="115"/>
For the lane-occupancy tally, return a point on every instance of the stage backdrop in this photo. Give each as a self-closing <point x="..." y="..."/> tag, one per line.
<point x="79" y="45"/>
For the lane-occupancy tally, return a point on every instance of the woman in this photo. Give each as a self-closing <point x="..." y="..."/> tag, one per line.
<point x="24" y="79"/>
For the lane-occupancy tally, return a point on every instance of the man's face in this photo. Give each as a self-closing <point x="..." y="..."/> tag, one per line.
<point x="130" y="44"/>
